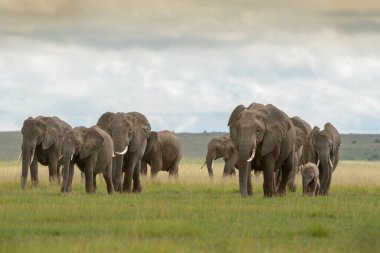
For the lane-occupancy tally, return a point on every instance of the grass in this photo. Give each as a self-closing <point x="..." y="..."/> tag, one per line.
<point x="191" y="215"/>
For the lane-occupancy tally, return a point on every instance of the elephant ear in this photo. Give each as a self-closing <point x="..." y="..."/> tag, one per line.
<point x="229" y="149"/>
<point x="92" y="141"/>
<point x="103" y="121"/>
<point x="152" y="140"/>
<point x="52" y="135"/>
<point x="334" y="135"/>
<point x="234" y="117"/>
<point x="277" y="127"/>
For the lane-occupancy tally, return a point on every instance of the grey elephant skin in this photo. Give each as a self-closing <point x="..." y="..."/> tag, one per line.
<point x="323" y="150"/>
<point x="302" y="130"/>
<point x="41" y="142"/>
<point x="91" y="149"/>
<point x="163" y="153"/>
<point x="310" y="175"/>
<point x="264" y="137"/>
<point x="130" y="132"/>
<point x="221" y="147"/>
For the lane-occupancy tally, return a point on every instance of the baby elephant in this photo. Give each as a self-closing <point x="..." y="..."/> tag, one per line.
<point x="91" y="149"/>
<point x="310" y="175"/>
<point x="163" y="152"/>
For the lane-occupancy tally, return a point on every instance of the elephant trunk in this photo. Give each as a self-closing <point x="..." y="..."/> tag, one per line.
<point x="27" y="158"/>
<point x="324" y="158"/>
<point x="209" y="162"/>
<point x="119" y="147"/>
<point x="245" y="153"/>
<point x="66" y="161"/>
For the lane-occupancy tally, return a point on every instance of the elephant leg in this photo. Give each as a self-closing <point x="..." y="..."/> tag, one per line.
<point x="89" y="179"/>
<point x="108" y="178"/>
<point x="34" y="172"/>
<point x="129" y="168"/>
<point x="285" y="171"/>
<point x="268" y="185"/>
<point x="137" y="188"/>
<point x="144" y="168"/>
<point x="292" y="178"/>
<point x="53" y="162"/>
<point x="68" y="187"/>
<point x="173" y="170"/>
<point x="228" y="167"/>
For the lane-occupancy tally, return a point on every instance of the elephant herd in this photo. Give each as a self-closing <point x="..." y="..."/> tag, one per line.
<point x="119" y="144"/>
<point x="261" y="138"/>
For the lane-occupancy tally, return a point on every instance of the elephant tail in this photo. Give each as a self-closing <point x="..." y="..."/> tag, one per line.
<point x="203" y="164"/>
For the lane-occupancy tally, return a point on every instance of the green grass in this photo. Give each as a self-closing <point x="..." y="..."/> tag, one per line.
<point x="190" y="215"/>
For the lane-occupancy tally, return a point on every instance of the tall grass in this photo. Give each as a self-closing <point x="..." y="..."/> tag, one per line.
<point x="192" y="214"/>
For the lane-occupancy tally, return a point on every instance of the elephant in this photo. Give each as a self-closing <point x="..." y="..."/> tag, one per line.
<point x="264" y="137"/>
<point x="323" y="150"/>
<point x="130" y="132"/>
<point x="302" y="130"/>
<point x="221" y="146"/>
<point x="163" y="152"/>
<point x="91" y="149"/>
<point x="310" y="175"/>
<point x="42" y="142"/>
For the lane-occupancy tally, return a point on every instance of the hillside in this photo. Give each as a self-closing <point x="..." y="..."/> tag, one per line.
<point x="353" y="147"/>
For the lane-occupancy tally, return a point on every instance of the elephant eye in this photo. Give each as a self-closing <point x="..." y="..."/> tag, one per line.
<point x="258" y="130"/>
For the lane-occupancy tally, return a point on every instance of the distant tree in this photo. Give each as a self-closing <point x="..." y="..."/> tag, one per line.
<point x="354" y="142"/>
<point x="376" y="141"/>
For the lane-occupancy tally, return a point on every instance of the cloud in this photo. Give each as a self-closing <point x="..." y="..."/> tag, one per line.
<point x="186" y="65"/>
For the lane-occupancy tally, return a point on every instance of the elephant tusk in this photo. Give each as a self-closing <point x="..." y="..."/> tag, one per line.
<point x="124" y="151"/>
<point x="330" y="163"/>
<point x="19" y="157"/>
<point x="60" y="157"/>
<point x="252" y="156"/>
<point x="113" y="155"/>
<point x="31" y="160"/>
<point x="318" y="163"/>
<point x="72" y="156"/>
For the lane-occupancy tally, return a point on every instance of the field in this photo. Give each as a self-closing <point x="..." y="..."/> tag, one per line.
<point x="191" y="215"/>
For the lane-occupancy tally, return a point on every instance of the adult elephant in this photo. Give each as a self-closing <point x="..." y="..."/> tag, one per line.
<point x="302" y="130"/>
<point x="323" y="150"/>
<point x="129" y="132"/>
<point x="41" y="142"/>
<point x="264" y="137"/>
<point x="163" y="152"/>
<point x="221" y="146"/>
<point x="91" y="149"/>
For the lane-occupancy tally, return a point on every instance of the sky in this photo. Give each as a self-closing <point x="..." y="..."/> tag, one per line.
<point x="187" y="64"/>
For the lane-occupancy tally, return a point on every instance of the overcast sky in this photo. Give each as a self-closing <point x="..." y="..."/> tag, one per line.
<point x="187" y="64"/>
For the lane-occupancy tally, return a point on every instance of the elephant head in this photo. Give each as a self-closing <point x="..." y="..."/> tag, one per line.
<point x="33" y="134"/>
<point x="324" y="151"/>
<point x="257" y="132"/>
<point x="79" y="143"/>
<point x="310" y="175"/>
<point x="219" y="146"/>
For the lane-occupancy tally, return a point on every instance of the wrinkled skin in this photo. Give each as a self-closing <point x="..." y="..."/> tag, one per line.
<point x="323" y="147"/>
<point x="42" y="142"/>
<point x="310" y="175"/>
<point x="222" y="147"/>
<point x="128" y="130"/>
<point x="267" y="133"/>
<point x="91" y="149"/>
<point x="163" y="153"/>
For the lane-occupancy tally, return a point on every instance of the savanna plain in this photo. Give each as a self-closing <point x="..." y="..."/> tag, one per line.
<point x="192" y="214"/>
